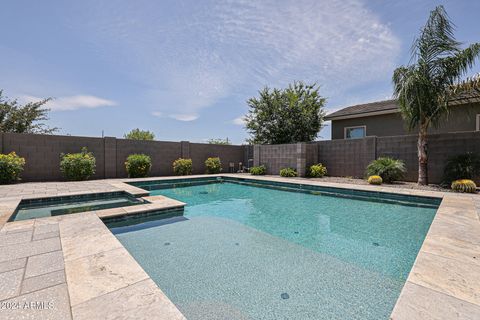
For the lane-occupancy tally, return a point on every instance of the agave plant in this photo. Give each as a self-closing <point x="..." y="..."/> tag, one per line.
<point x="434" y="75"/>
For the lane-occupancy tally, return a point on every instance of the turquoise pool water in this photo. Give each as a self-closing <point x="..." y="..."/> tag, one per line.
<point x="244" y="252"/>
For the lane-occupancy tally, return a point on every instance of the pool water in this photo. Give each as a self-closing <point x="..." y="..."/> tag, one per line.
<point x="67" y="205"/>
<point x="245" y="252"/>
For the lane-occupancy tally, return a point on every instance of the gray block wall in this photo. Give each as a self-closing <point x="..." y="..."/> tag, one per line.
<point x="347" y="157"/>
<point x="441" y="147"/>
<point x="279" y="156"/>
<point x="42" y="154"/>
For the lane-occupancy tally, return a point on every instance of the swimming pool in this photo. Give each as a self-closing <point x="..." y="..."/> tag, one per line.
<point x="54" y="206"/>
<point x="245" y="251"/>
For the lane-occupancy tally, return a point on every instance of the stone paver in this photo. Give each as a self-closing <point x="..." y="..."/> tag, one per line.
<point x="101" y="273"/>
<point x="43" y="281"/>
<point x="29" y="249"/>
<point x="48" y="304"/>
<point x="13" y="264"/>
<point x="44" y="263"/>
<point x="417" y="302"/>
<point x="142" y="300"/>
<point x="7" y="239"/>
<point x="10" y="283"/>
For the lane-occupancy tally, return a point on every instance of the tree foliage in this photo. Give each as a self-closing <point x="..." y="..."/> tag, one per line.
<point x="137" y="134"/>
<point x="425" y="86"/>
<point x="290" y="115"/>
<point x="219" y="141"/>
<point x="27" y="118"/>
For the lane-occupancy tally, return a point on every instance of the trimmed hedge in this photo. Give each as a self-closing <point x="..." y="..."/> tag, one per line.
<point x="138" y="165"/>
<point x="213" y="165"/>
<point x="11" y="167"/>
<point x="317" y="171"/>
<point x="78" y="166"/>
<point x="182" y="167"/>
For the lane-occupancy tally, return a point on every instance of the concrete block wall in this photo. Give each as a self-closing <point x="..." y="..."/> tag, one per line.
<point x="199" y="152"/>
<point x="42" y="154"/>
<point x="279" y="156"/>
<point x="347" y="157"/>
<point x="441" y="147"/>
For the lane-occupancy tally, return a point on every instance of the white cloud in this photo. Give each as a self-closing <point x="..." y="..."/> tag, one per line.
<point x="184" y="117"/>
<point x="69" y="103"/>
<point x="240" y="121"/>
<point x="157" y="114"/>
<point x="202" y="52"/>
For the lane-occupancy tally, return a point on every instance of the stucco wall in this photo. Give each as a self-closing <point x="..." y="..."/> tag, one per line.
<point x="460" y="119"/>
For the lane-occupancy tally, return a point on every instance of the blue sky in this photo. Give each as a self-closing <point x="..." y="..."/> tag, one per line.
<point x="184" y="69"/>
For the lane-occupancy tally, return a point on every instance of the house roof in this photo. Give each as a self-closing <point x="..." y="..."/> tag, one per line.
<point x="389" y="106"/>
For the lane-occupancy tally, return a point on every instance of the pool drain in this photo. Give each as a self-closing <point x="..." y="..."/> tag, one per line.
<point x="376" y="244"/>
<point x="166" y="244"/>
<point x="296" y="232"/>
<point x="203" y="192"/>
<point x="284" y="296"/>
<point x="237" y="244"/>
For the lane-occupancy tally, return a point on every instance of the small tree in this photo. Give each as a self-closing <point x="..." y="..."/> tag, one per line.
<point x="290" y="115"/>
<point x="137" y="134"/>
<point x="27" y="118"/>
<point x="219" y="141"/>
<point x="425" y="87"/>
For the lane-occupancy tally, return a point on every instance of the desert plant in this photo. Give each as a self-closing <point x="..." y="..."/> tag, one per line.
<point x="377" y="180"/>
<point x="182" y="167"/>
<point x="258" y="171"/>
<point x="463" y="166"/>
<point x="78" y="166"/>
<point x="138" y="165"/>
<point x="317" y="171"/>
<point x="288" y="172"/>
<point x="11" y="166"/>
<point x="464" y="185"/>
<point x="213" y="165"/>
<point x="425" y="87"/>
<point x="388" y="168"/>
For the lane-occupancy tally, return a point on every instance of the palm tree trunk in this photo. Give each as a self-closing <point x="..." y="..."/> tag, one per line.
<point x="422" y="155"/>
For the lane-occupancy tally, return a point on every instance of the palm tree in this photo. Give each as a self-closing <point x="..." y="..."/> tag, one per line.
<point x="425" y="86"/>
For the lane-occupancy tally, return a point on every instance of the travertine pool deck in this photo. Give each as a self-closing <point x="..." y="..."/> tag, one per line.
<point x="73" y="267"/>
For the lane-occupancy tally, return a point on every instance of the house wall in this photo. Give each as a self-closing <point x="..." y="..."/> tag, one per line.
<point x="42" y="154"/>
<point x="460" y="118"/>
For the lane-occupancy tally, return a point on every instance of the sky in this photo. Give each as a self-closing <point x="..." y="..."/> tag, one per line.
<point x="185" y="69"/>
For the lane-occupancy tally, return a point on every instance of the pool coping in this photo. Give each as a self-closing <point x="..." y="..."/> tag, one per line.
<point x="444" y="282"/>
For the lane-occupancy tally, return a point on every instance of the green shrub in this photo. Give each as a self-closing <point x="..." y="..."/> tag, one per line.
<point x="138" y="165"/>
<point x="182" y="167"/>
<point x="288" y="172"/>
<point x="258" y="171"/>
<point x="377" y="180"/>
<point x="317" y="171"/>
<point x="388" y="168"/>
<point x="464" y="185"/>
<point x="213" y="165"/>
<point x="11" y="166"/>
<point x="78" y="166"/>
<point x="463" y="166"/>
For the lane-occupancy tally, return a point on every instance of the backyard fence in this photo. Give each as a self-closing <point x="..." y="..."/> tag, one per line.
<point x="341" y="157"/>
<point x="42" y="154"/>
<point x="351" y="157"/>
